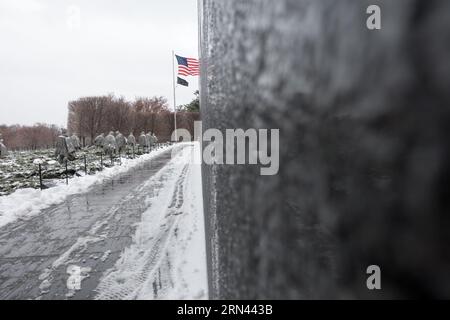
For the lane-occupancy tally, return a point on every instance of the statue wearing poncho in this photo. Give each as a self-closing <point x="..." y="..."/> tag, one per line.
<point x="121" y="141"/>
<point x="76" y="142"/>
<point x="110" y="144"/>
<point x="149" y="140"/>
<point x="131" y="140"/>
<point x="143" y="140"/>
<point x="99" y="140"/>
<point x="65" y="151"/>
<point x="3" y="149"/>
<point x="154" y="139"/>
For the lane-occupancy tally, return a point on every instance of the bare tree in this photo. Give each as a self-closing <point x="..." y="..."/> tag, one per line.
<point x="30" y="137"/>
<point x="90" y="116"/>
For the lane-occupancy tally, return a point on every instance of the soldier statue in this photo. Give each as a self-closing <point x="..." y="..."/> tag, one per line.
<point x="142" y="140"/>
<point x="99" y="140"/>
<point x="110" y="144"/>
<point x="121" y="142"/>
<point x="131" y="140"/>
<point x="75" y="142"/>
<point x="154" y="138"/>
<point x="65" y="151"/>
<point x="149" y="140"/>
<point x="3" y="149"/>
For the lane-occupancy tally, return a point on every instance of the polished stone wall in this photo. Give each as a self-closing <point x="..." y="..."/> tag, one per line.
<point x="364" y="123"/>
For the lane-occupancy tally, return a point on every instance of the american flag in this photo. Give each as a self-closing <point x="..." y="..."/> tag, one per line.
<point x="188" y="66"/>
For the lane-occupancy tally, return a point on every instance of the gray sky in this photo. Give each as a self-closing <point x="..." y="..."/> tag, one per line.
<point x="54" y="51"/>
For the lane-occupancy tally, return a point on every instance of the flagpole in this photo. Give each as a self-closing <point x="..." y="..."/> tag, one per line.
<point x="174" y="95"/>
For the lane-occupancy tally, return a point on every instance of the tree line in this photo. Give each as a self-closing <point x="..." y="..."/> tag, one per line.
<point x="90" y="116"/>
<point x="38" y="136"/>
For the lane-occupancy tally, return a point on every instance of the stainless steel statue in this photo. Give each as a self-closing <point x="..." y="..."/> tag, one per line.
<point x="65" y="151"/>
<point x="121" y="142"/>
<point x="131" y="141"/>
<point x="154" y="139"/>
<point x="143" y="140"/>
<point x="3" y="149"/>
<point x="110" y="144"/>
<point x="149" y="140"/>
<point x="76" y="142"/>
<point x="99" y="140"/>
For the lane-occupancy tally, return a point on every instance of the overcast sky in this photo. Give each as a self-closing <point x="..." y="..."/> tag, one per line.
<point x="54" y="51"/>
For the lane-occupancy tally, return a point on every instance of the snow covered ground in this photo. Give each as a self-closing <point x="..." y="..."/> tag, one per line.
<point x="19" y="170"/>
<point x="24" y="203"/>
<point x="130" y="232"/>
<point x="167" y="259"/>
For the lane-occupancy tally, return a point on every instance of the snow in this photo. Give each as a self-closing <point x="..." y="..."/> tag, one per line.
<point x="105" y="255"/>
<point x="25" y="203"/>
<point x="167" y="259"/>
<point x="38" y="161"/>
<point x="77" y="275"/>
<point x="167" y="256"/>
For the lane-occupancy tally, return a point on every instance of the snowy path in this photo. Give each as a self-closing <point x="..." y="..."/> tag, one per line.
<point x="138" y="235"/>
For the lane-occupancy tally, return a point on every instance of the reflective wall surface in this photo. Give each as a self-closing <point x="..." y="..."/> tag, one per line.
<point x="364" y="123"/>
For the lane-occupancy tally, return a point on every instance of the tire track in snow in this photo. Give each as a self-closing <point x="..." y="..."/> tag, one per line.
<point x="146" y="266"/>
<point x="134" y="201"/>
